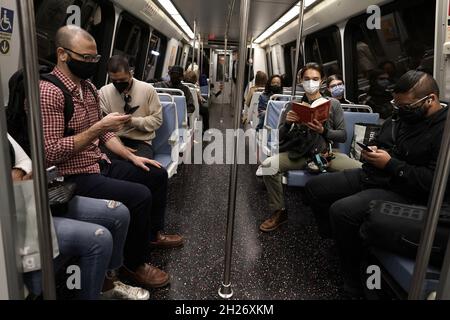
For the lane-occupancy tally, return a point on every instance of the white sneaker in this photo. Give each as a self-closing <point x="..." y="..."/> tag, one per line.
<point x="259" y="172"/>
<point x="122" y="291"/>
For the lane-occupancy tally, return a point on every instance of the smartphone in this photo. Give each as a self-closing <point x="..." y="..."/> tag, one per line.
<point x="132" y="110"/>
<point x="52" y="173"/>
<point x="365" y="147"/>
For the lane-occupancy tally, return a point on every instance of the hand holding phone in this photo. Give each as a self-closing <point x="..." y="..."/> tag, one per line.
<point x="131" y="110"/>
<point x="364" y="147"/>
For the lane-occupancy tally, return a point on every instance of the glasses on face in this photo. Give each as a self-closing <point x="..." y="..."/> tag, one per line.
<point x="410" y="106"/>
<point x="86" y="57"/>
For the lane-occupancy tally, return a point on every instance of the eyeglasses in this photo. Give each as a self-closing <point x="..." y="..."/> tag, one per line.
<point x="410" y="106"/>
<point x="87" y="57"/>
<point x="127" y="99"/>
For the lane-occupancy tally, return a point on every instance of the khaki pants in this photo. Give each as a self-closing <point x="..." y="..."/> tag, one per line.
<point x="275" y="166"/>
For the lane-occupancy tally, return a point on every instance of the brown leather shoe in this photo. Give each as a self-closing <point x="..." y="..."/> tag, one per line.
<point x="278" y="218"/>
<point x="167" y="241"/>
<point x="147" y="276"/>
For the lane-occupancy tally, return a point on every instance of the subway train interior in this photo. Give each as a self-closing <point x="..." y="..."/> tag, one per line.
<point x="224" y="150"/>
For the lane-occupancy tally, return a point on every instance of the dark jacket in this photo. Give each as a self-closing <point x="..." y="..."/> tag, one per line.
<point x="410" y="171"/>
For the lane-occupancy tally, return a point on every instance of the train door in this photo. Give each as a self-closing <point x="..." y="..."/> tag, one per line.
<point x="222" y="66"/>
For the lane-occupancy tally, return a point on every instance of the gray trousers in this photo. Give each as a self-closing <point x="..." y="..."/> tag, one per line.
<point x="277" y="165"/>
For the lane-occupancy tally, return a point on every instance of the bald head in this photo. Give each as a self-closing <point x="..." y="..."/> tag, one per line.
<point x="68" y="36"/>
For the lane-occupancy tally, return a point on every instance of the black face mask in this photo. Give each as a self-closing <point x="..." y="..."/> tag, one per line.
<point x="276" y="89"/>
<point x="81" y="69"/>
<point x="176" y="81"/>
<point x="412" y="116"/>
<point x="121" y="86"/>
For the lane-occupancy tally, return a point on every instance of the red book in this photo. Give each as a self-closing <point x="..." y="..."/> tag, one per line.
<point x="319" y="110"/>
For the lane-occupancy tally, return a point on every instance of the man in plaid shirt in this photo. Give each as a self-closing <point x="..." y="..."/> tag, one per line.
<point x="139" y="183"/>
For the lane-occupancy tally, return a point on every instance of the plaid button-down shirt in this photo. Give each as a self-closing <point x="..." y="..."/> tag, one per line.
<point x="59" y="150"/>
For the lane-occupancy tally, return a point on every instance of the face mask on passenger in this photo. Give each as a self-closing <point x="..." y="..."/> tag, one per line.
<point x="338" y="91"/>
<point x="81" y="69"/>
<point x="412" y="116"/>
<point x="384" y="83"/>
<point x="311" y="86"/>
<point x="121" y="86"/>
<point x="276" y="89"/>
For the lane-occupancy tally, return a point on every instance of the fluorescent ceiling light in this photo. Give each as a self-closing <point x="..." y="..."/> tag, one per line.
<point x="173" y="12"/>
<point x="280" y="23"/>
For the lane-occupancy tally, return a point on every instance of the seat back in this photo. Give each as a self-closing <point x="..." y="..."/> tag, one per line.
<point x="161" y="143"/>
<point x="273" y="113"/>
<point x="180" y="102"/>
<point x="285" y="97"/>
<point x="350" y="119"/>
<point x="194" y="94"/>
<point x="253" y="110"/>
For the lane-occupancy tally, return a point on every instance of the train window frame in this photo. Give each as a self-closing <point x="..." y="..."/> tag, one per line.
<point x="140" y="47"/>
<point x="334" y="35"/>
<point x="102" y="31"/>
<point x="356" y="86"/>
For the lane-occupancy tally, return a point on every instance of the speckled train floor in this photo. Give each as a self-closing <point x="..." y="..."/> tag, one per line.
<point x="292" y="262"/>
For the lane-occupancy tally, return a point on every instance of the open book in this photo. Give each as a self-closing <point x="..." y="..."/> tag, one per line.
<point x="319" y="110"/>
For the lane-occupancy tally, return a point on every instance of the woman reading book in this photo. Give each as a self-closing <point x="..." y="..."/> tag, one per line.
<point x="300" y="141"/>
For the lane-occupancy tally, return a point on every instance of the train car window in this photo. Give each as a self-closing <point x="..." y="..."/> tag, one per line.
<point x="289" y="58"/>
<point x="132" y="41"/>
<point x="152" y="57"/>
<point x="269" y="63"/>
<point x="97" y="17"/>
<point x="50" y="16"/>
<point x="400" y="45"/>
<point x="324" y="47"/>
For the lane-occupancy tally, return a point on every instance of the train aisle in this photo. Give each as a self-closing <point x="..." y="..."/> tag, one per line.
<point x="289" y="263"/>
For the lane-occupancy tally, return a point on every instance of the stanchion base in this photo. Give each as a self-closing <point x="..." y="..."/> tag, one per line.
<point x="225" y="291"/>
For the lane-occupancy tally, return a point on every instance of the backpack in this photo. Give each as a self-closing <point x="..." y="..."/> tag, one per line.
<point x="16" y="115"/>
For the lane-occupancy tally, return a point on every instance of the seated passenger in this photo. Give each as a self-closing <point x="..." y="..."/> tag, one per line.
<point x="191" y="77"/>
<point x="390" y="69"/>
<point x="273" y="86"/>
<point x="336" y="87"/>
<point x="291" y="136"/>
<point x="380" y="95"/>
<point x="260" y="83"/>
<point x="137" y="182"/>
<point x="400" y="168"/>
<point x="126" y="92"/>
<point x="176" y="74"/>
<point x="90" y="231"/>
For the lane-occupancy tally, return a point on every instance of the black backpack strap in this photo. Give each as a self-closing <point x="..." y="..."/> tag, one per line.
<point x="68" y="102"/>
<point x="12" y="154"/>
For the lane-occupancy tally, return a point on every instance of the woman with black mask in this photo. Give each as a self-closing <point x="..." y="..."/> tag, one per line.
<point x="273" y="86"/>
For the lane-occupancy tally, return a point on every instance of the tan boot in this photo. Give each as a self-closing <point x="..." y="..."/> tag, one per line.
<point x="278" y="218"/>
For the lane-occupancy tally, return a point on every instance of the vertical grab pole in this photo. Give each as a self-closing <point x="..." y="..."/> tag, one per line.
<point x="225" y="77"/>
<point x="250" y="67"/>
<point x="193" y="46"/>
<point x="298" y="46"/>
<point x="225" y="290"/>
<point x="434" y="207"/>
<point x="198" y="54"/>
<point x="30" y="61"/>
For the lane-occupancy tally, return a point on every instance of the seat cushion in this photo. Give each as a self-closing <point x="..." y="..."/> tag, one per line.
<point x="164" y="159"/>
<point x="298" y="178"/>
<point x="401" y="269"/>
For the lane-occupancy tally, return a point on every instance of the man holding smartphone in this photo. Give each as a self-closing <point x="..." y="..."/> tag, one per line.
<point x="127" y="95"/>
<point x="399" y="167"/>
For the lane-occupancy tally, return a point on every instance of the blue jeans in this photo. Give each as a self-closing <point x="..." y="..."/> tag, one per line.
<point x="93" y="233"/>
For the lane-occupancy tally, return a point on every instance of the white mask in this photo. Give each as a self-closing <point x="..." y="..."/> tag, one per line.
<point x="311" y="86"/>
